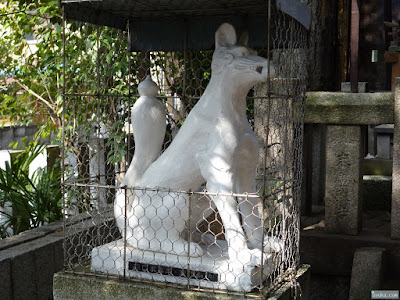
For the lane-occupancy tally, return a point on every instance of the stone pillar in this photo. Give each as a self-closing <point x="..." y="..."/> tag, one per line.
<point x="343" y="194"/>
<point x="314" y="162"/>
<point x="384" y="140"/>
<point x="395" y="225"/>
<point x="367" y="272"/>
<point x="307" y="182"/>
<point x="318" y="163"/>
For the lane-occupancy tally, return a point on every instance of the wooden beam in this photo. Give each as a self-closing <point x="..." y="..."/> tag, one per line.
<point x="343" y="37"/>
<point x="391" y="57"/>
<point x="354" y="40"/>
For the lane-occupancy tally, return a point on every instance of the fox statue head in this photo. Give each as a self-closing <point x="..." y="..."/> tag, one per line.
<point x="236" y="60"/>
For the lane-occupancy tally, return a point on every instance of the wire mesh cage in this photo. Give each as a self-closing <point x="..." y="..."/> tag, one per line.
<point x="180" y="229"/>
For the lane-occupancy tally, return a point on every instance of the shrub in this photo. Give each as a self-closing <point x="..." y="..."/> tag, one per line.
<point x="35" y="200"/>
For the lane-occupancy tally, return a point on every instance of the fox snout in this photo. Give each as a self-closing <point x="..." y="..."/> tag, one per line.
<point x="254" y="63"/>
<point x="243" y="63"/>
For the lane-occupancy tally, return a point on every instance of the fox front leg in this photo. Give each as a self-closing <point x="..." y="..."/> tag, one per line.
<point x="245" y="183"/>
<point x="228" y="209"/>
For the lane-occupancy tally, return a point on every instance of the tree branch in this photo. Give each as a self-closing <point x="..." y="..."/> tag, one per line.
<point x="51" y="108"/>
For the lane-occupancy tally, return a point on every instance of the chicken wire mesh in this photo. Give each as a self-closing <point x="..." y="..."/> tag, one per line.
<point x="101" y="77"/>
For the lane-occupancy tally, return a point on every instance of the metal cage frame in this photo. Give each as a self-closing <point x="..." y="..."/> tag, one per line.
<point x="98" y="142"/>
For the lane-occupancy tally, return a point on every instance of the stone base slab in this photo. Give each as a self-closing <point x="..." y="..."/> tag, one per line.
<point x="212" y="270"/>
<point x="77" y="287"/>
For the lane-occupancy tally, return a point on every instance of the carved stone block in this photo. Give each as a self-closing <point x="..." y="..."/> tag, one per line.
<point x="343" y="195"/>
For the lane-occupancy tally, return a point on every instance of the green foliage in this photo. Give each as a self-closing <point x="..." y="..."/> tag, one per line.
<point x="116" y="143"/>
<point x="35" y="69"/>
<point x="97" y="62"/>
<point x="34" y="201"/>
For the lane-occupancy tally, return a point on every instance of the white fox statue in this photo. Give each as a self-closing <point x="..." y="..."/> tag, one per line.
<point x="215" y="145"/>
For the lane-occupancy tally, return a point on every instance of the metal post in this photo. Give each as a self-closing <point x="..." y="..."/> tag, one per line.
<point x="63" y="138"/>
<point x="190" y="236"/>
<point x="125" y="191"/>
<point x="264" y="196"/>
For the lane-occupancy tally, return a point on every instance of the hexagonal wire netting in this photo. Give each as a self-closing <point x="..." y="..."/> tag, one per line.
<point x="101" y="75"/>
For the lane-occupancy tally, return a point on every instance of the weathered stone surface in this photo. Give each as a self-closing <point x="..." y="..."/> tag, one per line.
<point x="44" y="271"/>
<point x="377" y="192"/>
<point x="383" y="146"/>
<point x="6" y="134"/>
<point x="5" y="279"/>
<point x="375" y="166"/>
<point x="349" y="108"/>
<point x="332" y="254"/>
<point x="73" y="287"/>
<point x="367" y="273"/>
<point x="346" y="87"/>
<point x="329" y="287"/>
<point x="29" y="260"/>
<point x="30" y="235"/>
<point x="10" y="134"/>
<point x="343" y="194"/>
<point x="395" y="230"/>
<point x="384" y="138"/>
<point x="32" y="267"/>
<point x="58" y="251"/>
<point x="20" y="131"/>
<point x="318" y="164"/>
<point x="23" y="276"/>
<point x="371" y="140"/>
<point x="21" y="238"/>
<point x="313" y="186"/>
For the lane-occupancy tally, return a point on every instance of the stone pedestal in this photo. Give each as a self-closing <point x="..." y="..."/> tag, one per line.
<point x="343" y="195"/>
<point x="212" y="270"/>
<point x="74" y="287"/>
<point x="395" y="229"/>
<point x="367" y="272"/>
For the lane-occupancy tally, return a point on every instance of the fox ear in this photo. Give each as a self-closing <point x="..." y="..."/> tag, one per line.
<point x="225" y="36"/>
<point x="244" y="39"/>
